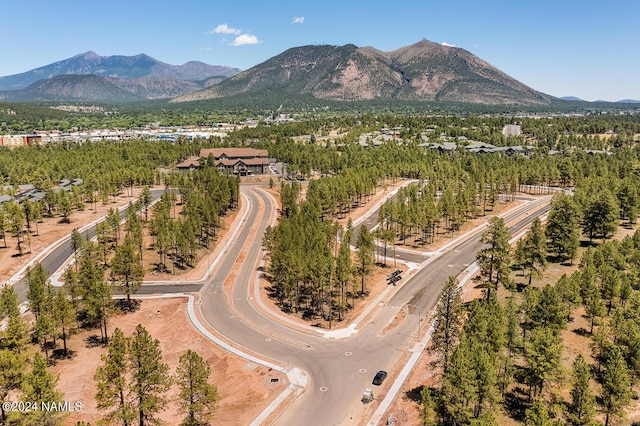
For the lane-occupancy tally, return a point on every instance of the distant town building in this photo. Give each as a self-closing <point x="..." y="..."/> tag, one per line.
<point x="12" y="141"/>
<point x="512" y="130"/>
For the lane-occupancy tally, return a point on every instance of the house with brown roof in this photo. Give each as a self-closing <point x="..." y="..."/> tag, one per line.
<point x="191" y="163"/>
<point x="240" y="161"/>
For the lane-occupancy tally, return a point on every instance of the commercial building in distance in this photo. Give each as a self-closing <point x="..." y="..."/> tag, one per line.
<point x="12" y="141"/>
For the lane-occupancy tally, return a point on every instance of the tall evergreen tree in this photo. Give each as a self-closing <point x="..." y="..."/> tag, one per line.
<point x="63" y="315"/>
<point x="126" y="268"/>
<point x="149" y="376"/>
<point x="365" y="246"/>
<point x="562" y="227"/>
<point x="494" y="260"/>
<point x="600" y="217"/>
<point x="447" y="323"/>
<point x="40" y="386"/>
<point x="36" y="294"/>
<point x="197" y="398"/>
<point x="532" y="250"/>
<point x="111" y="381"/>
<point x="12" y="367"/>
<point x="616" y="384"/>
<point x="582" y="407"/>
<point x="543" y="353"/>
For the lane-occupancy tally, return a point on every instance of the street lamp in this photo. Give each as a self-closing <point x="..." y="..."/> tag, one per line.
<point x="419" y="317"/>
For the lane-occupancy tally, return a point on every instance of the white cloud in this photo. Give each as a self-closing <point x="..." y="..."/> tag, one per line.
<point x="245" y="39"/>
<point x="298" y="20"/>
<point x="204" y="49"/>
<point x="444" y="43"/>
<point x="224" y="29"/>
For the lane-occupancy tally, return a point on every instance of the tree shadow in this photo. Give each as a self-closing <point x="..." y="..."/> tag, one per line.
<point x="123" y="306"/>
<point x="93" y="341"/>
<point x="516" y="403"/>
<point x="59" y="354"/>
<point x="581" y="331"/>
<point x="415" y="394"/>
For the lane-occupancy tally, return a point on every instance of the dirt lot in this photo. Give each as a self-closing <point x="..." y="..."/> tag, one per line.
<point x="245" y="388"/>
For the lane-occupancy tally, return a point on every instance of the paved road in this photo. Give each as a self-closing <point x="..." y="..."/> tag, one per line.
<point x="339" y="370"/>
<point x="59" y="255"/>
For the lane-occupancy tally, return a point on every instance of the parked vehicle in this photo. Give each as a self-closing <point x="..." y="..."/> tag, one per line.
<point x="379" y="378"/>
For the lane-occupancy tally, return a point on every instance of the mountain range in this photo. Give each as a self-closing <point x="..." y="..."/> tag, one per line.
<point x="576" y="99"/>
<point x="91" y="77"/>
<point x="424" y="71"/>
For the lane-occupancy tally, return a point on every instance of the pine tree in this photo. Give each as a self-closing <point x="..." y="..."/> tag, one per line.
<point x="582" y="407"/>
<point x="39" y="386"/>
<point x="197" y="398"/>
<point x="495" y="259"/>
<point x="562" y="227"/>
<point x="538" y="415"/>
<point x="126" y="268"/>
<point x="76" y="242"/>
<point x="12" y="366"/>
<point x="365" y="246"/>
<point x="600" y="217"/>
<point x="111" y="381"/>
<point x="591" y="296"/>
<point x="344" y="271"/>
<point x="616" y="384"/>
<point x="15" y="336"/>
<point x="63" y="315"/>
<point x="8" y="301"/>
<point x="145" y="200"/>
<point x="149" y="376"/>
<point x="447" y="324"/>
<point x="38" y="277"/>
<point x="458" y="392"/>
<point x="533" y="250"/>
<point x="427" y="407"/>
<point x="543" y="353"/>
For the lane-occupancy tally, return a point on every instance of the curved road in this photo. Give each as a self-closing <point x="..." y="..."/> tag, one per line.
<point x="339" y="369"/>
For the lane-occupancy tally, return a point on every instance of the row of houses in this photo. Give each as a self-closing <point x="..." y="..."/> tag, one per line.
<point x="238" y="161"/>
<point x="478" y="148"/>
<point x="30" y="193"/>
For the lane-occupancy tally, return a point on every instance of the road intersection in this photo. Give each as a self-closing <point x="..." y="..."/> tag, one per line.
<point x="327" y="369"/>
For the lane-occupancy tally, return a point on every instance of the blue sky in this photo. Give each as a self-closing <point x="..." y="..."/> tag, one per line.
<point x="587" y="48"/>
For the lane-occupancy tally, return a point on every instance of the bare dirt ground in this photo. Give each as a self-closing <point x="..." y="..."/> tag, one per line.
<point x="245" y="388"/>
<point x="52" y="230"/>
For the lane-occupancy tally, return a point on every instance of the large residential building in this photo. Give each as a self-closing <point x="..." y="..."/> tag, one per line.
<point x="239" y="161"/>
